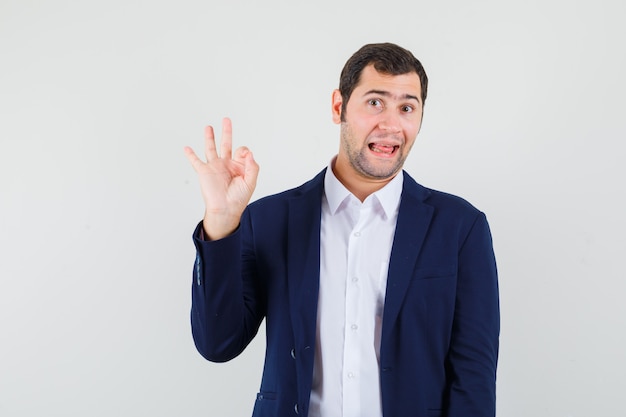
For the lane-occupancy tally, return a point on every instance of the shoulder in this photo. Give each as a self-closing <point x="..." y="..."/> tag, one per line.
<point x="448" y="214"/>
<point x="312" y="189"/>
<point x="439" y="200"/>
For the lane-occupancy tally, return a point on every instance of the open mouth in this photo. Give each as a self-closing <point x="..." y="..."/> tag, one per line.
<point x="383" y="150"/>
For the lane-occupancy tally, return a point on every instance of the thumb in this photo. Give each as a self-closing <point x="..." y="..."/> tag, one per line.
<point x="250" y="166"/>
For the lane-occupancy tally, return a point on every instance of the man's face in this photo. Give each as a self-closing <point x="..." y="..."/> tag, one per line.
<point x="381" y="121"/>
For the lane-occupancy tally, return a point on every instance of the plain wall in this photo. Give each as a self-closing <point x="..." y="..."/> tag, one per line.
<point x="525" y="119"/>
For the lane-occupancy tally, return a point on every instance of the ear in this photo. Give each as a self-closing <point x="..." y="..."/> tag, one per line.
<point x="336" y="106"/>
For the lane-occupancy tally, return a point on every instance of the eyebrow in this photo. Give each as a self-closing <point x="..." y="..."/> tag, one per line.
<point x="388" y="94"/>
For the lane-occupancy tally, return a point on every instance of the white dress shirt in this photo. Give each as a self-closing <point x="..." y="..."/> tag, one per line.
<point x="355" y="246"/>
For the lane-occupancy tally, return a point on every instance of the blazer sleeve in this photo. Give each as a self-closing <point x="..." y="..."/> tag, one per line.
<point x="473" y="353"/>
<point x="227" y="304"/>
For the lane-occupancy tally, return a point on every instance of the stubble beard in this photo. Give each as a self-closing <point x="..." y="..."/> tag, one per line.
<point x="361" y="162"/>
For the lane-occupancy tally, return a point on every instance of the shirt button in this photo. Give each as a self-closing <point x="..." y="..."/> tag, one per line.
<point x="295" y="408"/>
<point x="355" y="279"/>
<point x="357" y="234"/>
<point x="293" y="353"/>
<point x="354" y="327"/>
<point x="350" y="375"/>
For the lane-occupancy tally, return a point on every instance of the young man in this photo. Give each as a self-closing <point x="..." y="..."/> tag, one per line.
<point x="380" y="295"/>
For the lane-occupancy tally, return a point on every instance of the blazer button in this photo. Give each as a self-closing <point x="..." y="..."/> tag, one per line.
<point x="293" y="353"/>
<point x="295" y="408"/>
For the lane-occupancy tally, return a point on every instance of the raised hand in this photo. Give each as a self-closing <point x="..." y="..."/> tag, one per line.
<point x="227" y="182"/>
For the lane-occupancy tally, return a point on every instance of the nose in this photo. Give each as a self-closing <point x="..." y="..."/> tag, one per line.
<point x="390" y="122"/>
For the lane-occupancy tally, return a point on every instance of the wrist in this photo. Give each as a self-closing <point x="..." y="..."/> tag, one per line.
<point x="215" y="229"/>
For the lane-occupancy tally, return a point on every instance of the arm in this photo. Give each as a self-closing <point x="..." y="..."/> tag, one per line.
<point x="473" y="352"/>
<point x="228" y="303"/>
<point x="224" y="316"/>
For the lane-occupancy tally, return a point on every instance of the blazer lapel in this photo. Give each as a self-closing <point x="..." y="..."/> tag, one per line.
<point x="303" y="270"/>
<point x="303" y="260"/>
<point x="414" y="218"/>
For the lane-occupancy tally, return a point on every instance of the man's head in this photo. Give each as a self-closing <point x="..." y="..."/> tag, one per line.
<point x="387" y="58"/>
<point x="379" y="105"/>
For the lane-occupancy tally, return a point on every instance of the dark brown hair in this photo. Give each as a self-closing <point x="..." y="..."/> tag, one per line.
<point x="387" y="58"/>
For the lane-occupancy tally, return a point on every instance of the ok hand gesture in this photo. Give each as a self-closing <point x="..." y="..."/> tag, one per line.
<point x="227" y="182"/>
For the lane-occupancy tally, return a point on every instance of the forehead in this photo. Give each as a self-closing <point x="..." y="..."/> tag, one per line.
<point x="397" y="85"/>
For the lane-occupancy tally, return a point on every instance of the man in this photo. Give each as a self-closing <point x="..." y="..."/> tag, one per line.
<point x="380" y="295"/>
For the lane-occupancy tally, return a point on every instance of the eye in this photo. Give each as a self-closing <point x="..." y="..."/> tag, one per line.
<point x="407" y="109"/>
<point x="374" y="102"/>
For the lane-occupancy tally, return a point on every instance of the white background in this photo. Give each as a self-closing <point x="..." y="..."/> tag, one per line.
<point x="525" y="119"/>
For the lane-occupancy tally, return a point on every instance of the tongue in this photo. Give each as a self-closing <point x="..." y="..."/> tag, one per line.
<point x="388" y="149"/>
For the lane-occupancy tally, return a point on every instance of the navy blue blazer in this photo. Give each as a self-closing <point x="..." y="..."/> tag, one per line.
<point x="439" y="343"/>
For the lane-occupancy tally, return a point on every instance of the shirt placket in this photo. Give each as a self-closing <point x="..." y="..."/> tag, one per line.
<point x="352" y="335"/>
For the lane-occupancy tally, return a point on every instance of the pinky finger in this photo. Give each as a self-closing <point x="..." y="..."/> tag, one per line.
<point x="195" y="162"/>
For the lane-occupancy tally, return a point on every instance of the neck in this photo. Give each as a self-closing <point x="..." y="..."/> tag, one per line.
<point x="359" y="185"/>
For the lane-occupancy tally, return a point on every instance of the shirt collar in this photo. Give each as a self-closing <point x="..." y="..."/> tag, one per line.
<point x="388" y="196"/>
